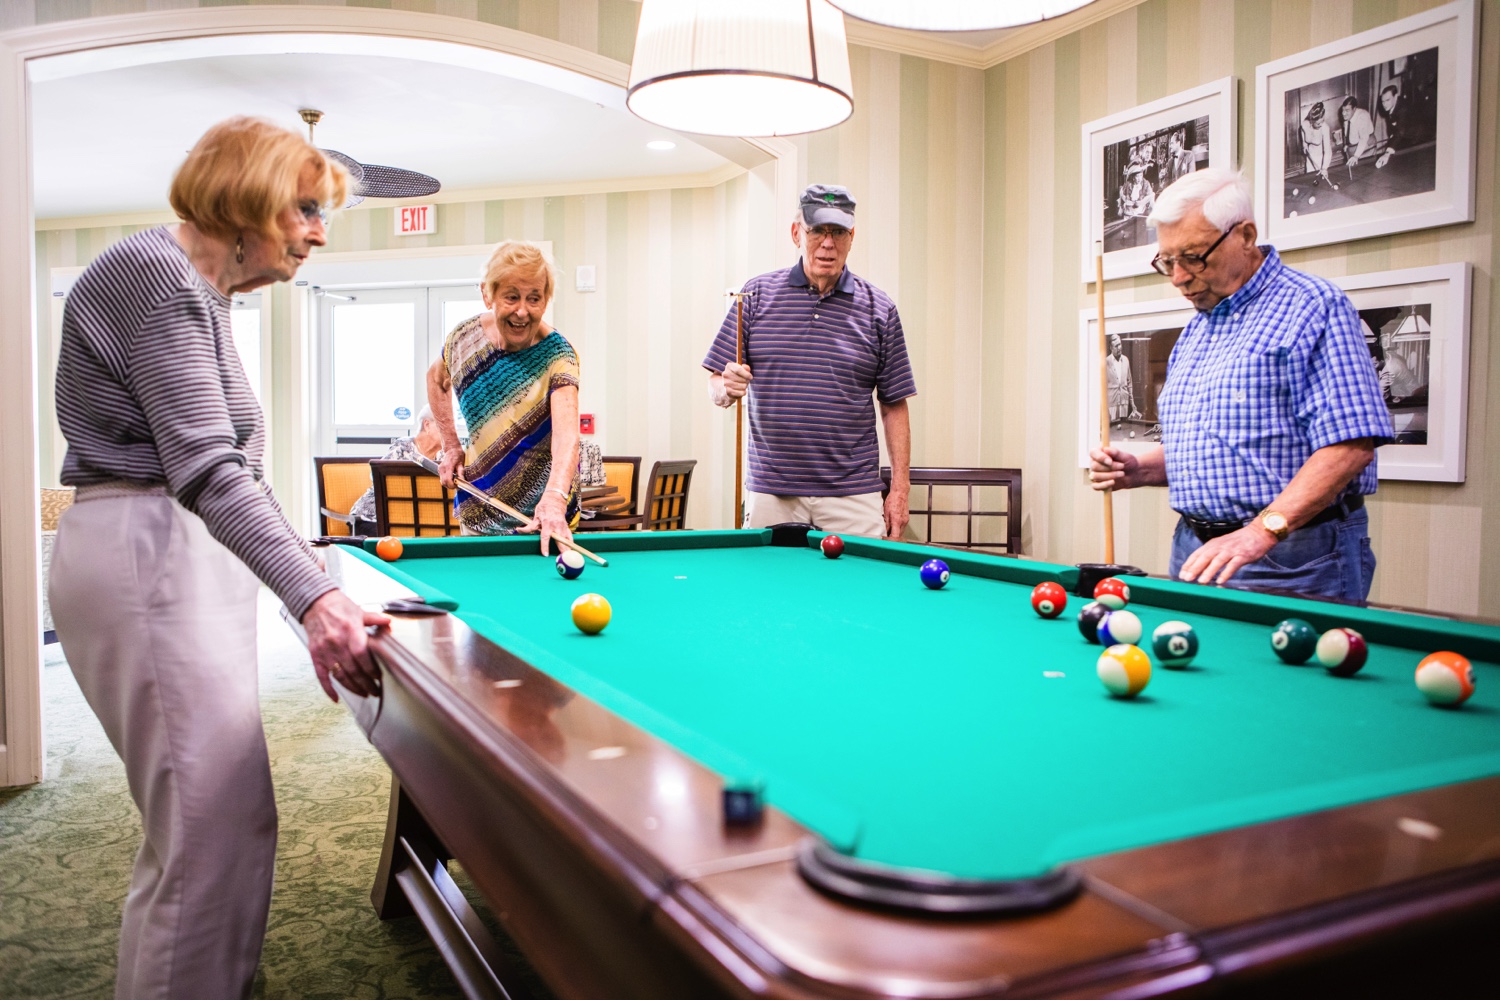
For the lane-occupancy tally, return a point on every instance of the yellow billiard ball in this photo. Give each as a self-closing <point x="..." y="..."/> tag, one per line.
<point x="1124" y="670"/>
<point x="591" y="613"/>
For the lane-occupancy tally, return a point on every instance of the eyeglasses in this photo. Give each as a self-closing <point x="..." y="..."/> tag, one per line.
<point x="312" y="210"/>
<point x="820" y="233"/>
<point x="1192" y="263"/>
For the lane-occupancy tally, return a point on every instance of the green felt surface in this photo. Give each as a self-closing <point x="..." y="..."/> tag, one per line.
<point x="955" y="730"/>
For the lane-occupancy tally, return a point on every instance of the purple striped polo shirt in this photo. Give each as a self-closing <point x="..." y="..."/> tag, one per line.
<point x="816" y="361"/>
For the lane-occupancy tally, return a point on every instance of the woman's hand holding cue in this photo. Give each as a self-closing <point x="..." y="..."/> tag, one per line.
<point x="336" y="638"/>
<point x="450" y="466"/>
<point x="551" y="520"/>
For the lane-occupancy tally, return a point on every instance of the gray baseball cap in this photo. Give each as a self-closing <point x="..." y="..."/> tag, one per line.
<point x="827" y="204"/>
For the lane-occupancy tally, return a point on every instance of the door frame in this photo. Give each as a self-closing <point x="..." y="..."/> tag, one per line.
<point x="773" y="172"/>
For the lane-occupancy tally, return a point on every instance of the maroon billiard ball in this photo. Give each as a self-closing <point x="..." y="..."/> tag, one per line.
<point x="1049" y="599"/>
<point x="832" y="546"/>
<point x="1112" y="592"/>
<point x="1342" y="651"/>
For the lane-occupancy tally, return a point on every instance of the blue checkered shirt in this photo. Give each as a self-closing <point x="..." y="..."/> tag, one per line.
<point x="1260" y="382"/>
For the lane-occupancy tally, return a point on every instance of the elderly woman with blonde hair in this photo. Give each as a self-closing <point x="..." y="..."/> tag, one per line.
<point x="154" y="577"/>
<point x="516" y="380"/>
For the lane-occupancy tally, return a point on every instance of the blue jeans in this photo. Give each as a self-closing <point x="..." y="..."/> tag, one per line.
<point x="1333" y="559"/>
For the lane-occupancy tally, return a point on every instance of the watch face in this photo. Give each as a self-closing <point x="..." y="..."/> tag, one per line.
<point x="1275" y="523"/>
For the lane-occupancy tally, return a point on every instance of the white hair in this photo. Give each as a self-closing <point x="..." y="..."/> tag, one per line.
<point x="1223" y="194"/>
<point x="424" y="415"/>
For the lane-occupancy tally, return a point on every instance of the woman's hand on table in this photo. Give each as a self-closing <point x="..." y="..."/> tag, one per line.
<point x="336" y="638"/>
<point x="551" y="520"/>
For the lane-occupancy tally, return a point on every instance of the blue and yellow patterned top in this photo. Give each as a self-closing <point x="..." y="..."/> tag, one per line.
<point x="506" y="399"/>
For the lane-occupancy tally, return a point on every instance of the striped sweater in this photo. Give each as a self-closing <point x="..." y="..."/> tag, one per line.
<point x="151" y="391"/>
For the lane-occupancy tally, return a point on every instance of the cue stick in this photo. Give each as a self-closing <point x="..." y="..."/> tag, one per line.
<point x="506" y="509"/>
<point x="1109" y="501"/>
<point x="739" y="413"/>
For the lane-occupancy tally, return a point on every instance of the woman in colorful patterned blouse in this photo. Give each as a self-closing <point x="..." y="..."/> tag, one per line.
<point x="516" y="380"/>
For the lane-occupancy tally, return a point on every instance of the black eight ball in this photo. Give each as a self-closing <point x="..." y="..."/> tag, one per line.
<point x="1089" y="618"/>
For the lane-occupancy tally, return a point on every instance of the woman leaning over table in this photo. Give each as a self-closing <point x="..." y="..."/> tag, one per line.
<point x="154" y="578"/>
<point x="516" y="380"/>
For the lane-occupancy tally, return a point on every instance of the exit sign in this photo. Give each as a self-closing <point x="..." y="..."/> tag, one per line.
<point x="416" y="220"/>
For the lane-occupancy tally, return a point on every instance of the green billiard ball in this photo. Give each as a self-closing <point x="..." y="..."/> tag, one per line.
<point x="1294" y="640"/>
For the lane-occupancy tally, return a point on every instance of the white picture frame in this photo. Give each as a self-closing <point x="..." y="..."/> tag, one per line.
<point x="1431" y="415"/>
<point x="1153" y="325"/>
<point x="1401" y="157"/>
<point x="1110" y="215"/>
<point x="1435" y="297"/>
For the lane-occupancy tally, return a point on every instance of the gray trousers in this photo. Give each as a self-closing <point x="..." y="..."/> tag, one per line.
<point x="158" y="623"/>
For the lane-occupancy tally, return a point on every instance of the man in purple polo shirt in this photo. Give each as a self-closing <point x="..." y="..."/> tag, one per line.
<point x="821" y="340"/>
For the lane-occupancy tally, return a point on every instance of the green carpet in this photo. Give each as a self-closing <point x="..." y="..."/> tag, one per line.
<point x="67" y="845"/>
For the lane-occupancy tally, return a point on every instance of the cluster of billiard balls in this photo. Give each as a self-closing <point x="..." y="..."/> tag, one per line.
<point x="1123" y="668"/>
<point x="1444" y="678"/>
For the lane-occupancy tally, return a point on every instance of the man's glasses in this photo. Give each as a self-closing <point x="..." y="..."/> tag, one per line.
<point x="1192" y="263"/>
<point x="820" y="233"/>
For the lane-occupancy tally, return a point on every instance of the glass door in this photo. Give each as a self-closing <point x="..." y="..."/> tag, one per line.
<point x="373" y="351"/>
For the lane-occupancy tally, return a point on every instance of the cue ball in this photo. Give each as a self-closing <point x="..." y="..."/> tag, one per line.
<point x="1048" y="599"/>
<point x="569" y="564"/>
<point x="935" y="573"/>
<point x="1294" y="640"/>
<point x="832" y="546"/>
<point x="1124" y="670"/>
<point x="591" y="613"/>
<point x="1112" y="592"/>
<point x="1445" y="678"/>
<point x="1119" y="628"/>
<point x="1342" y="651"/>
<point x="388" y="548"/>
<point x="1088" y="620"/>
<point x="1174" y="643"/>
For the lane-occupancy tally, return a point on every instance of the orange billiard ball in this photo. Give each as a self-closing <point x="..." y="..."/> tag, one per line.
<point x="388" y="548"/>
<point x="1446" y="678"/>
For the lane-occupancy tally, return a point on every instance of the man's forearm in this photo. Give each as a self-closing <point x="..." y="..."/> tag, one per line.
<point x="1321" y="479"/>
<point x="897" y="420"/>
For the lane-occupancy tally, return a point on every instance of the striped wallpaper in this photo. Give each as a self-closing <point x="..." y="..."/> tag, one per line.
<point x="969" y="216"/>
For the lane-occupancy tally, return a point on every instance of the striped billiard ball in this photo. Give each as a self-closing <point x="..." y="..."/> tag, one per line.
<point x="1120" y="628"/>
<point x="1112" y="592"/>
<point x="1342" y="651"/>
<point x="1445" y="678"/>
<point x="1124" y="670"/>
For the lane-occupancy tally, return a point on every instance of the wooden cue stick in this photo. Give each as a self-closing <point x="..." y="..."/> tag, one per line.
<point x="1109" y="498"/>
<point x="510" y="511"/>
<point x="739" y="416"/>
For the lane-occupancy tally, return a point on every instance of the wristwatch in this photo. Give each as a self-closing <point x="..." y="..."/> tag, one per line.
<point x="1275" y="522"/>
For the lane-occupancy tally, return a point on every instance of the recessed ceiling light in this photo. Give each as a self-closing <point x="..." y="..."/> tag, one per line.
<point x="661" y="144"/>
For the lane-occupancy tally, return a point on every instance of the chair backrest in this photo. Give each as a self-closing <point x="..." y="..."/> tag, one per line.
<point x="667" y="495"/>
<point x="55" y="500"/>
<point x="342" y="479"/>
<point x="410" y="502"/>
<point x="974" y="508"/>
<point x="623" y="472"/>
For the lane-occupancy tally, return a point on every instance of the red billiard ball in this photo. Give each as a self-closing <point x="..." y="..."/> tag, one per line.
<point x="1342" y="651"/>
<point x="1112" y="592"/>
<point x="388" y="548"/>
<point x="832" y="546"/>
<point x="1049" y="599"/>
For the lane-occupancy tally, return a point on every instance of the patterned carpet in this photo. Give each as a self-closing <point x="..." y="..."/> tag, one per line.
<point x="66" y="848"/>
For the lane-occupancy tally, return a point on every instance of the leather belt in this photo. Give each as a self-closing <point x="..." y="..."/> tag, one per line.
<point x="1206" y="530"/>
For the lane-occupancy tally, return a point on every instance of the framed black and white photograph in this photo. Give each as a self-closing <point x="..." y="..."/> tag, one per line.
<point x="1130" y="157"/>
<point x="1370" y="135"/>
<point x="1416" y="326"/>
<point x="1140" y="337"/>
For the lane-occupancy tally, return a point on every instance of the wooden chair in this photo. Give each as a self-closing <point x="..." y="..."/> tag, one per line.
<point x="666" y="501"/>
<point x="667" y="496"/>
<point x="999" y="487"/>
<point x="410" y="502"/>
<point x="617" y="511"/>
<point x="341" y="481"/>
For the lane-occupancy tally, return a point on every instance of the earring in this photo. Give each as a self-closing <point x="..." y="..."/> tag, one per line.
<point x="239" y="249"/>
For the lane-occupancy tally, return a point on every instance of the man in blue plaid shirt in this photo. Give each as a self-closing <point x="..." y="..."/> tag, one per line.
<point x="1271" y="411"/>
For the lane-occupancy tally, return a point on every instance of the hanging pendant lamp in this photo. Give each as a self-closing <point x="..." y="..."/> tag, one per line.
<point x="956" y="15"/>
<point x="741" y="67"/>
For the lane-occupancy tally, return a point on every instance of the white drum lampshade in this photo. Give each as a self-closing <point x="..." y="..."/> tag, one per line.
<point x="956" y="15"/>
<point x="741" y="67"/>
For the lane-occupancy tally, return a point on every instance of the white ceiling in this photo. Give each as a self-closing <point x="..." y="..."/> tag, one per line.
<point x="109" y="131"/>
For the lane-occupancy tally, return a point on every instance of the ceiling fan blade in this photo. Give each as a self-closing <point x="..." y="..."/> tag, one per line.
<point x="395" y="182"/>
<point x="356" y="175"/>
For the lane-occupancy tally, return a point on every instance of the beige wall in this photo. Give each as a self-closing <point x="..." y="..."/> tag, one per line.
<point x="1438" y="543"/>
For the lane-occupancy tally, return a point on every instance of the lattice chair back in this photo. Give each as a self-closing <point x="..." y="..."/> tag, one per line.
<point x="667" y="498"/>
<point x="410" y="502"/>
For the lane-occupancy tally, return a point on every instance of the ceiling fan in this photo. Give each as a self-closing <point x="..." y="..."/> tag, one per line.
<point x="371" y="180"/>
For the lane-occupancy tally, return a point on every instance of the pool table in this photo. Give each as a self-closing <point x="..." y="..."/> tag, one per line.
<point x="1242" y="824"/>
